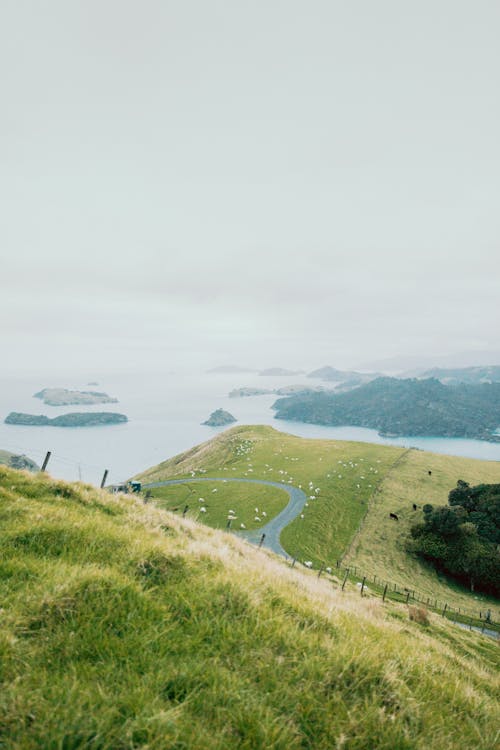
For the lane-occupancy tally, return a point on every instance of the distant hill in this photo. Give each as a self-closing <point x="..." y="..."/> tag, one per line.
<point x="65" y="397"/>
<point x="341" y="376"/>
<point x="474" y="375"/>
<point x="75" y="419"/>
<point x="404" y="407"/>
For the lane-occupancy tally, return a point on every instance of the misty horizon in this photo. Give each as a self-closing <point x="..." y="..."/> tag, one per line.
<point x="193" y="184"/>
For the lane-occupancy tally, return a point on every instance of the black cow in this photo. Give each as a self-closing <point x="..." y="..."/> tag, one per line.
<point x="393" y="515"/>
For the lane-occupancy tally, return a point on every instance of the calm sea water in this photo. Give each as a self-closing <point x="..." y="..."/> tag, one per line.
<point x="165" y="414"/>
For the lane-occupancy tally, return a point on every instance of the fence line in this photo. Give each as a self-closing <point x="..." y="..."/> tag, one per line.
<point x="390" y="590"/>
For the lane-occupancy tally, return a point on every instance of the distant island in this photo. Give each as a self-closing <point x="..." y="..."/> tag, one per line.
<point x="285" y="390"/>
<point x="65" y="397"/>
<point x="280" y="371"/>
<point x="75" y="419"/>
<point x="244" y="392"/>
<point x="17" y="461"/>
<point x="220" y="418"/>
<point x="400" y="407"/>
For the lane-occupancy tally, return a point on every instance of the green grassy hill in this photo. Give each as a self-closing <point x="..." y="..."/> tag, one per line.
<point x="123" y="626"/>
<point x="357" y="484"/>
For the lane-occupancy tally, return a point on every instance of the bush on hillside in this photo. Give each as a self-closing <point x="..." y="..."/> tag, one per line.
<point x="462" y="539"/>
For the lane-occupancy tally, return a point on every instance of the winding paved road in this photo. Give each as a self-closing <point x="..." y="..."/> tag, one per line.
<point x="273" y="528"/>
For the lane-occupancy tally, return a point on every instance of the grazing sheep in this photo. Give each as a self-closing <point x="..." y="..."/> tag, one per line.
<point x="215" y="490"/>
<point x="328" y="570"/>
<point x="257" y="519"/>
<point x="264" y="513"/>
<point x="242" y="526"/>
<point x="203" y="509"/>
<point x="308" y="563"/>
<point x="201" y="499"/>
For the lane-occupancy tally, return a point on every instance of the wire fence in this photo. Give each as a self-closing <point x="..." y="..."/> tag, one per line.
<point x="371" y="584"/>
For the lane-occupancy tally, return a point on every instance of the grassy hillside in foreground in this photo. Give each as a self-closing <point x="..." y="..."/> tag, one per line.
<point x="356" y="481"/>
<point x="123" y="626"/>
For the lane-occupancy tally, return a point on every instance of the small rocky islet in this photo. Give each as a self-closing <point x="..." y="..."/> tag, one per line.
<point x="220" y="418"/>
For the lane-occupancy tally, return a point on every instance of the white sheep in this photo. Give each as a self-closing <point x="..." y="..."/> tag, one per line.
<point x="328" y="570"/>
<point x="257" y="519"/>
<point x="242" y="526"/>
<point x="201" y="499"/>
<point x="203" y="509"/>
<point x="264" y="514"/>
<point x="308" y="563"/>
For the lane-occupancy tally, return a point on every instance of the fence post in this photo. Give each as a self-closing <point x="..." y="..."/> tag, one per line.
<point x="407" y="597"/>
<point x="345" y="579"/>
<point x="294" y="561"/>
<point x="228" y="525"/>
<point x="46" y="460"/>
<point x="104" y="477"/>
<point x="262" y="540"/>
<point x="186" y="508"/>
<point x="385" y="592"/>
<point x="445" y="608"/>
<point x="362" y="585"/>
<point x="320" y="571"/>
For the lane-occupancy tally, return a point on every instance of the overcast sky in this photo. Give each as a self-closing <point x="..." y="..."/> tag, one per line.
<point x="275" y="182"/>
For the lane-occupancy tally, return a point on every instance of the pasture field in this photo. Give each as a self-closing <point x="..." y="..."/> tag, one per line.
<point x="349" y="485"/>
<point x="381" y="546"/>
<point x="125" y="627"/>
<point x="249" y="502"/>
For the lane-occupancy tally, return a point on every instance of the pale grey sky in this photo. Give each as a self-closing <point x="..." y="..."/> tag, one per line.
<point x="277" y="182"/>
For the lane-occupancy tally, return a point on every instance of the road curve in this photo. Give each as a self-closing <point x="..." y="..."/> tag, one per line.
<point x="273" y="528"/>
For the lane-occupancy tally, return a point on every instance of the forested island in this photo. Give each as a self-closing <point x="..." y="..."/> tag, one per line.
<point x="75" y="419"/>
<point x="398" y="407"/>
<point x="65" y="397"/>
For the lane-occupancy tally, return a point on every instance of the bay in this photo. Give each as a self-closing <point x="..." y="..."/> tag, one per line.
<point x="165" y="412"/>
